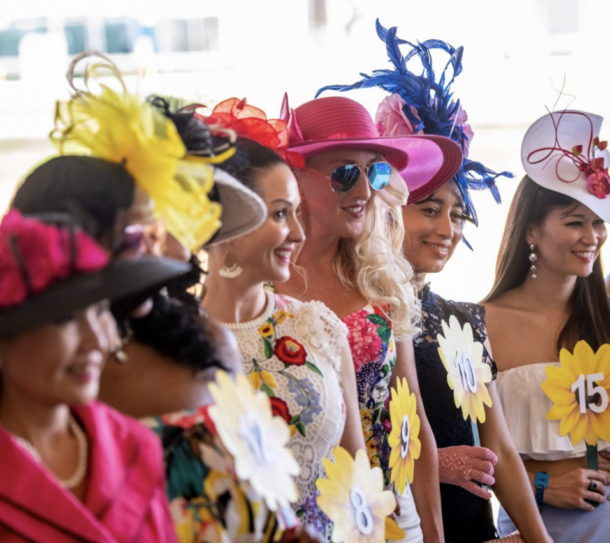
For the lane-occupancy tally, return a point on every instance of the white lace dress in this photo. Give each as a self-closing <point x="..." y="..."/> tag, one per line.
<point x="293" y="353"/>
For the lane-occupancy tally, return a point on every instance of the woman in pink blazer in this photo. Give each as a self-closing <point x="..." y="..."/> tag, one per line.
<point x="72" y="469"/>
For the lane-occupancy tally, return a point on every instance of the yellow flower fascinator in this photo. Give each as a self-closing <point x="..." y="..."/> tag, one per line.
<point x="121" y="127"/>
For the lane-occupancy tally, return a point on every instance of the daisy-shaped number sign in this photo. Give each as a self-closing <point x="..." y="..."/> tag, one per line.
<point x="404" y="438"/>
<point x="257" y="440"/>
<point x="354" y="499"/>
<point x="579" y="390"/>
<point x="467" y="374"/>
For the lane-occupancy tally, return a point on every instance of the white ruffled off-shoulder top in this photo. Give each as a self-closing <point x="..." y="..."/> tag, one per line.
<point x="525" y="407"/>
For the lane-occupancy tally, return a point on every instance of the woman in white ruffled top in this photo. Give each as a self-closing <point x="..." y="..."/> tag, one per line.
<point x="295" y="352"/>
<point x="549" y="293"/>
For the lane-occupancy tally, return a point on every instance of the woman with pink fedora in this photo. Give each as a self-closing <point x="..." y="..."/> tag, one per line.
<point x="548" y="295"/>
<point x="352" y="265"/>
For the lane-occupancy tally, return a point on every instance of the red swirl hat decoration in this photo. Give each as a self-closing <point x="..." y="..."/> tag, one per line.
<point x="562" y="151"/>
<point x="251" y="122"/>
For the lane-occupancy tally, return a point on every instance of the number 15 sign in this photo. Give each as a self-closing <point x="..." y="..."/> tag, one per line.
<point x="579" y="390"/>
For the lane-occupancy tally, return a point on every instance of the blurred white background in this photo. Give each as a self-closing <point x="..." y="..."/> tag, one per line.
<point x="517" y="55"/>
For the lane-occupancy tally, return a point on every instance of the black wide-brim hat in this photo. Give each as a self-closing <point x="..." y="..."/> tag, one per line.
<point x="120" y="279"/>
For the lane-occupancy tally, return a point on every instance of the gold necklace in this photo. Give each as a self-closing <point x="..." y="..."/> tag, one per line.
<point x="83" y="454"/>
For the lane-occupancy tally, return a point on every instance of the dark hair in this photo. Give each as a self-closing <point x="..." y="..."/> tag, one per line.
<point x="249" y="161"/>
<point x="589" y="305"/>
<point x="92" y="190"/>
<point x="178" y="333"/>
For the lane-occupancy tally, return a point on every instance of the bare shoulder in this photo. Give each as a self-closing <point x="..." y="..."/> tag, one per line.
<point x="518" y="333"/>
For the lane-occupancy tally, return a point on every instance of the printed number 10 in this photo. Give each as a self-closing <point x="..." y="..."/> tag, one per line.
<point x="592" y="390"/>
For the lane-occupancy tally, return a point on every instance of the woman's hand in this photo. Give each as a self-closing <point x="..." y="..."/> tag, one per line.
<point x="604" y="463"/>
<point x="570" y="490"/>
<point x="465" y="466"/>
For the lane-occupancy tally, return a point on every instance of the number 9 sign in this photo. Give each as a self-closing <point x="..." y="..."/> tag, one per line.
<point x="579" y="390"/>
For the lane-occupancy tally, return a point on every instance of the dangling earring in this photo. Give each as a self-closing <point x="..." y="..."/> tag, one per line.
<point x="230" y="272"/>
<point x="118" y="350"/>
<point x="533" y="259"/>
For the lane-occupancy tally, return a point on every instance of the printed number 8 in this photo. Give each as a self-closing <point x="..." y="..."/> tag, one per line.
<point x="361" y="512"/>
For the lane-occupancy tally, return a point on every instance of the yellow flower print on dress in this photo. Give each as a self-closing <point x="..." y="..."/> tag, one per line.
<point x="266" y="330"/>
<point x="404" y="438"/>
<point x="256" y="439"/>
<point x="467" y="374"/>
<point x="579" y="390"/>
<point x="280" y="316"/>
<point x="353" y="498"/>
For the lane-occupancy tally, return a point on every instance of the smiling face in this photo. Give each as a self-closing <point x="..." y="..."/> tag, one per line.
<point x="331" y="213"/>
<point x="433" y="228"/>
<point x="59" y="363"/>
<point x="266" y="253"/>
<point x="568" y="241"/>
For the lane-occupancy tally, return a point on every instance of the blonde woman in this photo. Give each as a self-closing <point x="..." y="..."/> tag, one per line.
<point x="350" y="265"/>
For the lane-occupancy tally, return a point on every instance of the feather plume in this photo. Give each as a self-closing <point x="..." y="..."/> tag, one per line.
<point x="429" y="105"/>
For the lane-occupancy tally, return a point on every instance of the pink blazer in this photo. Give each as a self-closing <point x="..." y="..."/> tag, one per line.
<point x="125" y="495"/>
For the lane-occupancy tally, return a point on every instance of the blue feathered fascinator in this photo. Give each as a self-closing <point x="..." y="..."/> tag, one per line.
<point x="423" y="103"/>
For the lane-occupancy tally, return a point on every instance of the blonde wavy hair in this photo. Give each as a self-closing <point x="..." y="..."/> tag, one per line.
<point x="374" y="262"/>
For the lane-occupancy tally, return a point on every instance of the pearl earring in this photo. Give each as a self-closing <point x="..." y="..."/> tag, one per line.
<point x="533" y="259"/>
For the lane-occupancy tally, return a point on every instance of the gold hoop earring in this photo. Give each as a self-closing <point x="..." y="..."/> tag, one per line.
<point x="230" y="271"/>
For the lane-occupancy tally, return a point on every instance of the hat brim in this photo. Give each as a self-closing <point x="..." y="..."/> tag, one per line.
<point x="121" y="279"/>
<point x="242" y="210"/>
<point x="425" y="162"/>
<point x="573" y="128"/>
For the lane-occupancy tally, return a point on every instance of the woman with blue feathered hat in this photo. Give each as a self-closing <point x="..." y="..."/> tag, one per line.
<point x="424" y="104"/>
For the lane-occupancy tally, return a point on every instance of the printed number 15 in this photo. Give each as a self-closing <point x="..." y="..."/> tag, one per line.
<point x="592" y="390"/>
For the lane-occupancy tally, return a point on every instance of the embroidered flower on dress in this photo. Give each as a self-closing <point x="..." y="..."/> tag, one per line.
<point x="279" y="408"/>
<point x="266" y="330"/>
<point x="290" y="351"/>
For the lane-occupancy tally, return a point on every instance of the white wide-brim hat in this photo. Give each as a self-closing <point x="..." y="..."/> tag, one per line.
<point x="242" y="210"/>
<point x="547" y="155"/>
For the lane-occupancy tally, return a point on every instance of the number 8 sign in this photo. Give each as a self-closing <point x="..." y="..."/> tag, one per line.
<point x="579" y="390"/>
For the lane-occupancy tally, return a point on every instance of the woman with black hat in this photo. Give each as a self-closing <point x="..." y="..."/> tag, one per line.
<point x="73" y="469"/>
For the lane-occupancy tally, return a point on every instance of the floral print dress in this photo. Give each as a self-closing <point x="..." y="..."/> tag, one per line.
<point x="293" y="353"/>
<point x="208" y="502"/>
<point x="371" y="342"/>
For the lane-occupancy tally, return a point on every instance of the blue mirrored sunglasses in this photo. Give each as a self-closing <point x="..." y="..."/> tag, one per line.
<point x="344" y="178"/>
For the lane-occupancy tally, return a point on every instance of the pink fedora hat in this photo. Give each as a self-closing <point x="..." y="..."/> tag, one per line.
<point x="335" y="122"/>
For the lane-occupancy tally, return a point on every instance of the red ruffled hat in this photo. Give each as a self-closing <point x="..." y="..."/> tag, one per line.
<point x="426" y="162"/>
<point x="251" y="122"/>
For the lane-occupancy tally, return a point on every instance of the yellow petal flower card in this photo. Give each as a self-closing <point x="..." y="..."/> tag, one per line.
<point x="579" y="390"/>
<point x="353" y="497"/>
<point x="404" y="438"/>
<point x="467" y="374"/>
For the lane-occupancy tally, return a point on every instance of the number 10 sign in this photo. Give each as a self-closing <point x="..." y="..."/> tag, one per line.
<point x="579" y="390"/>
<point x="467" y="374"/>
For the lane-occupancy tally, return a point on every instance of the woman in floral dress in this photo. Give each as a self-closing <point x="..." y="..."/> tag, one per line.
<point x="297" y="353"/>
<point x="358" y="270"/>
